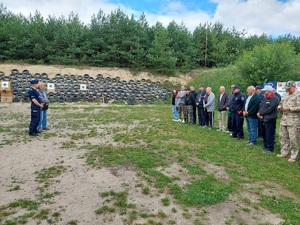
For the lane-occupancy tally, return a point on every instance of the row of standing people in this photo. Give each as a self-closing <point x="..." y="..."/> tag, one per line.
<point x="259" y="108"/>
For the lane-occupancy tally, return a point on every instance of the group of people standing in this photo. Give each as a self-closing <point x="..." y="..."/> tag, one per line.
<point x="259" y="108"/>
<point x="39" y="108"/>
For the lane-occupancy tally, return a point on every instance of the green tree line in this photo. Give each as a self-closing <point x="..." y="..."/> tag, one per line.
<point x="120" y="40"/>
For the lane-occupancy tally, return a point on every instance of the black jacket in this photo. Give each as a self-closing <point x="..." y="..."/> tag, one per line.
<point x="223" y="102"/>
<point x="268" y="108"/>
<point x="253" y="106"/>
<point x="189" y="99"/>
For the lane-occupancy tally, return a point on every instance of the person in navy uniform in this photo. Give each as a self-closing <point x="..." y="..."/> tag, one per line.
<point x="237" y="105"/>
<point x="36" y="106"/>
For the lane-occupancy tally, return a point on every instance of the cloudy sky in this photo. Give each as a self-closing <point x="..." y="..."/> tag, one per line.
<point x="272" y="17"/>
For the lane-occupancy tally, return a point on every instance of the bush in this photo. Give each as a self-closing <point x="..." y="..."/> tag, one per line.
<point x="272" y="62"/>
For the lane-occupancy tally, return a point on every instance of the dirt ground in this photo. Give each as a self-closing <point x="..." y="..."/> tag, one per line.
<point x="79" y="186"/>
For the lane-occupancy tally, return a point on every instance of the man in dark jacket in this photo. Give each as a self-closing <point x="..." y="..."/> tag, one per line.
<point x="260" y="122"/>
<point x="228" y="106"/>
<point x="194" y="93"/>
<point x="222" y="101"/>
<point x="199" y="105"/>
<point x="268" y="113"/>
<point x="189" y="104"/>
<point x="237" y="113"/>
<point x="250" y="113"/>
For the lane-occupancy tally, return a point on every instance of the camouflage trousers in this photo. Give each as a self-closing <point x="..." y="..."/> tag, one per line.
<point x="289" y="140"/>
<point x="181" y="110"/>
<point x="188" y="113"/>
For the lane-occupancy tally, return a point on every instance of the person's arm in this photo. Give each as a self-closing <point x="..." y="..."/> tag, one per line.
<point x="37" y="103"/>
<point x="255" y="104"/>
<point x="270" y="107"/>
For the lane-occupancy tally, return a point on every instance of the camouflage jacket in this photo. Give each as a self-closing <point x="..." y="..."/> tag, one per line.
<point x="292" y="102"/>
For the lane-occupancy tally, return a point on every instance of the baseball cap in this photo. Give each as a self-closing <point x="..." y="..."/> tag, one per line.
<point x="268" y="88"/>
<point x="270" y="84"/>
<point x="289" y="84"/>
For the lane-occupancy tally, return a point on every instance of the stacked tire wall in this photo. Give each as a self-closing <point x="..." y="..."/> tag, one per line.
<point x="99" y="88"/>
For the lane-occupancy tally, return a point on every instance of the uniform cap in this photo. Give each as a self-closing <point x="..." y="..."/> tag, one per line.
<point x="268" y="88"/>
<point x="258" y="87"/>
<point x="34" y="82"/>
<point x="236" y="87"/>
<point x="289" y="84"/>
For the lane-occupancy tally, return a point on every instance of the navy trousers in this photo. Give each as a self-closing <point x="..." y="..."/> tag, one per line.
<point x="268" y="132"/>
<point x="201" y="116"/>
<point x="237" y="124"/>
<point x="34" y="122"/>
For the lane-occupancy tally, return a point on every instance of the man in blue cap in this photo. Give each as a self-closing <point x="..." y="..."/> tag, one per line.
<point x="36" y="106"/>
<point x="268" y="114"/>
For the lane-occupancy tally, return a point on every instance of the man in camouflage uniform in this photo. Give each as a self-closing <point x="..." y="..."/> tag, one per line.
<point x="290" y="121"/>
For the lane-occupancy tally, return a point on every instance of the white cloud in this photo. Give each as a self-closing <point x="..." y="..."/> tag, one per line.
<point x="260" y="16"/>
<point x="254" y="16"/>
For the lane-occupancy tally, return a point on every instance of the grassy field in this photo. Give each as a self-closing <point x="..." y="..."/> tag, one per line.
<point x="188" y="168"/>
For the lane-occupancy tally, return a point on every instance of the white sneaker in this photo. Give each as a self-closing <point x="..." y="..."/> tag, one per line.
<point x="175" y="120"/>
<point x="182" y="121"/>
<point x="179" y="120"/>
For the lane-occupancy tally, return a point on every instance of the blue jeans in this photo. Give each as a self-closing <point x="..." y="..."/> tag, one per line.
<point x="175" y="112"/>
<point x="252" y="124"/>
<point x="43" y="120"/>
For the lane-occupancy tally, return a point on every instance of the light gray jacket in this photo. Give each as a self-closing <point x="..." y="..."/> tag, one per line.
<point x="181" y="98"/>
<point x="43" y="95"/>
<point x="210" y="102"/>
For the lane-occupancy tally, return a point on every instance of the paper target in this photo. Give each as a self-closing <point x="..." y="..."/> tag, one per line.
<point x="5" y="84"/>
<point x="50" y="86"/>
<point x="83" y="87"/>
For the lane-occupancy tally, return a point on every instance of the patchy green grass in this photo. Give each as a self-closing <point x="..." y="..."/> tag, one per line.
<point x="47" y="174"/>
<point x="147" y="138"/>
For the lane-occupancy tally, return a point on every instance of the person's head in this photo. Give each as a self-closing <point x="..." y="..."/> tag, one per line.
<point x="208" y="90"/>
<point x="251" y="90"/>
<point x="231" y="87"/>
<point x="268" y="90"/>
<point x="41" y="85"/>
<point x="235" y="89"/>
<point x="182" y="88"/>
<point x="34" y="83"/>
<point x="290" y="87"/>
<point x="201" y="87"/>
<point x="175" y="91"/>
<point x="192" y="88"/>
<point x="222" y="90"/>
<point x="187" y="91"/>
<point x="258" y="89"/>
